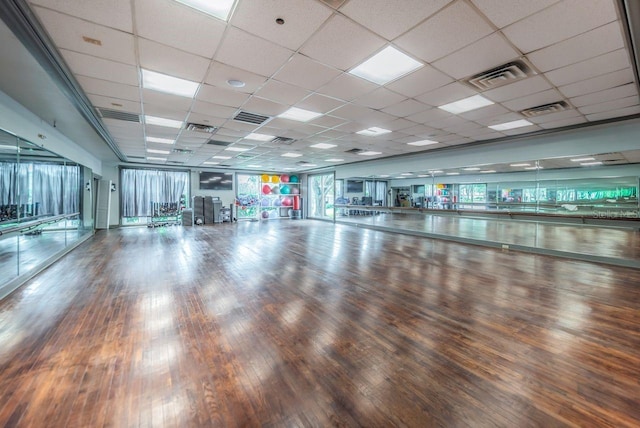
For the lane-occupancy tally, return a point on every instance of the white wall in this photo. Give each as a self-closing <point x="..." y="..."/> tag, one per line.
<point x="111" y="171"/>
<point x="16" y="119"/>
<point x="227" y="197"/>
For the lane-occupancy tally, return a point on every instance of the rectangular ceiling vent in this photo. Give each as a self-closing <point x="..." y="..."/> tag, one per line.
<point x="283" y="140"/>
<point x="106" y="113"/>
<point x="545" y="109"/>
<point x="500" y="76"/>
<point x="176" y="162"/>
<point x="219" y="143"/>
<point x="243" y="156"/>
<point x="136" y="157"/>
<point x="246" y="117"/>
<point x="182" y="151"/>
<point x="354" y="151"/>
<point x="196" y="127"/>
<point x="224" y="165"/>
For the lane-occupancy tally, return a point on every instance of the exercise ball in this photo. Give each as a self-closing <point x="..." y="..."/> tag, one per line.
<point x="265" y="178"/>
<point x="277" y="203"/>
<point x="295" y="190"/>
<point x="275" y="179"/>
<point x="266" y="189"/>
<point x="275" y="190"/>
<point x="285" y="190"/>
<point x="287" y="202"/>
<point x="293" y="179"/>
<point x="264" y="202"/>
<point x="284" y="178"/>
<point x="265" y="214"/>
<point x="273" y="214"/>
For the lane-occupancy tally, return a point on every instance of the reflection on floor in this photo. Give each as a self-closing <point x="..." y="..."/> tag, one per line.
<point x="600" y="244"/>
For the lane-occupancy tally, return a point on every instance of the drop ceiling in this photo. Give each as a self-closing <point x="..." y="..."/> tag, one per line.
<point x="573" y="53"/>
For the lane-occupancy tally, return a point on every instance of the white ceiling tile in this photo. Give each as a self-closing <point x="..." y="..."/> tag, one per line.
<point x="389" y="20"/>
<point x="380" y="98"/>
<point x="225" y="97"/>
<point x="609" y="105"/>
<point x="593" y="43"/>
<point x="220" y="73"/>
<point x="406" y="108"/>
<point x="523" y="130"/>
<point x="206" y="119"/>
<point x="488" y="136"/>
<point x="534" y="100"/>
<point x="399" y="125"/>
<point x="171" y="61"/>
<point x="435" y="39"/>
<point x="109" y="89"/>
<point x="484" y="112"/>
<point x="607" y="63"/>
<point x="162" y="131"/>
<point x="164" y="111"/>
<point x="598" y="83"/>
<point x="177" y="25"/>
<point x="265" y="107"/>
<point x="422" y="131"/>
<point x="68" y="32"/>
<point x="355" y="43"/>
<point x="99" y="68"/>
<point x="302" y="18"/>
<point x="447" y="122"/>
<point x="606" y="95"/>
<point x="328" y="121"/>
<point x="494" y="120"/>
<point x="554" y="117"/>
<point x="482" y="55"/>
<point x="420" y="81"/>
<point x="347" y="87"/>
<point x="163" y="99"/>
<point x="452" y="92"/>
<point x="559" y="22"/>
<point x="429" y="115"/>
<point x="518" y="89"/>
<point x="213" y="110"/>
<point x="304" y="72"/>
<point x="563" y="122"/>
<point x="282" y="92"/>
<point x="319" y="103"/>
<point x="503" y="13"/>
<point x="113" y="13"/>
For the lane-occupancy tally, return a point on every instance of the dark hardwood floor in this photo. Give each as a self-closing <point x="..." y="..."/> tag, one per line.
<point x="303" y="323"/>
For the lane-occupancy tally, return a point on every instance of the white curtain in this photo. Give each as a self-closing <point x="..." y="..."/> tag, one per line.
<point x="381" y="192"/>
<point x="140" y="187"/>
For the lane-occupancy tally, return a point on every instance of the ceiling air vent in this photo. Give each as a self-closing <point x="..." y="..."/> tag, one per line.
<point x="106" y="113"/>
<point x="354" y="151"/>
<point x="136" y="157"/>
<point x="499" y="76"/>
<point x="256" y="119"/>
<point x="176" y="162"/>
<point x="196" y="127"/>
<point x="219" y="143"/>
<point x="182" y="151"/>
<point x="282" y="140"/>
<point x="545" y="109"/>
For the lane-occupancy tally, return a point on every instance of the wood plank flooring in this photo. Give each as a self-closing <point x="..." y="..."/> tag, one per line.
<point x="304" y="323"/>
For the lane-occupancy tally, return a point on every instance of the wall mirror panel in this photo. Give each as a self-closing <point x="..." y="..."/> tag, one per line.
<point x="42" y="198"/>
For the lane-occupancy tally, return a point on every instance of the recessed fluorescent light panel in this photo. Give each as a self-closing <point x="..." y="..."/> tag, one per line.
<point x="220" y="157"/>
<point x="291" y="155"/>
<point x="220" y="9"/>
<point x="520" y="164"/>
<point x="590" y="163"/>
<point x="160" y="140"/>
<point x="159" y="152"/>
<point x="238" y="149"/>
<point x="161" y="121"/>
<point x="422" y="143"/>
<point x="488" y="171"/>
<point x="299" y="114"/>
<point x="254" y="166"/>
<point x="211" y="163"/>
<point x="259" y="137"/>
<point x="534" y="167"/>
<point x="369" y="153"/>
<point x="152" y="158"/>
<point x="473" y="168"/>
<point x="333" y="160"/>
<point x="453" y="173"/>
<point x="323" y="146"/>
<point x="374" y="131"/>
<point x="583" y="159"/>
<point x="406" y="173"/>
<point x="466" y="104"/>
<point x="11" y="148"/>
<point x="510" y="125"/>
<point x="385" y="66"/>
<point x="168" y="84"/>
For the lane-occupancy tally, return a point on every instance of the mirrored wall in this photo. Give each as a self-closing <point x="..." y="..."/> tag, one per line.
<point x="45" y="208"/>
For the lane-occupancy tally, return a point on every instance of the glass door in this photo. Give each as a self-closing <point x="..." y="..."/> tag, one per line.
<point x="321" y="196"/>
